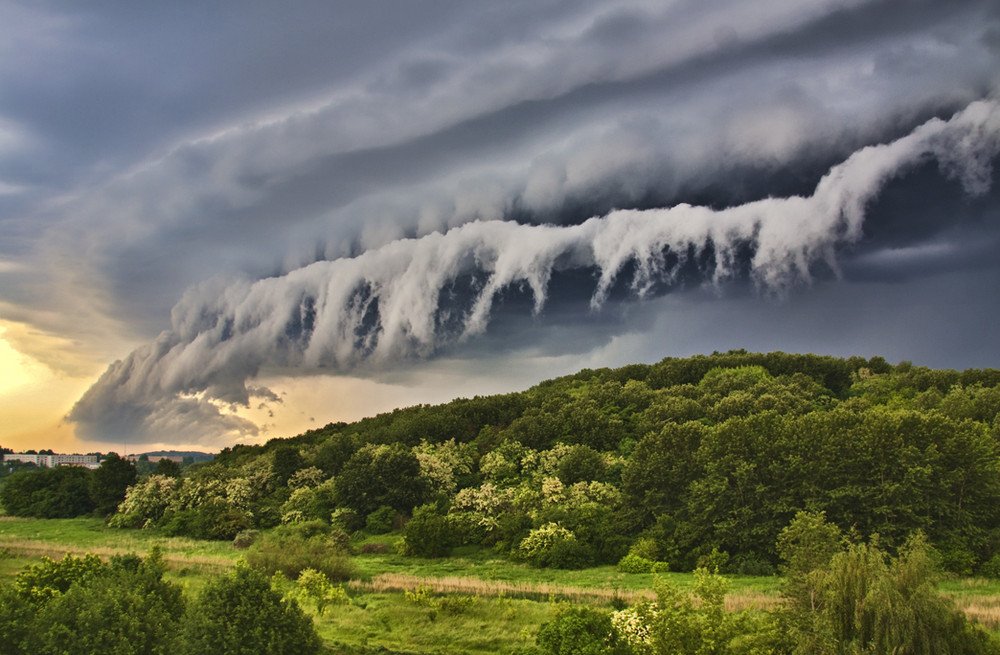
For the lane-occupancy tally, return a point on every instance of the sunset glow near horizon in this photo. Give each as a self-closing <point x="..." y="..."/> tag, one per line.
<point x="222" y="224"/>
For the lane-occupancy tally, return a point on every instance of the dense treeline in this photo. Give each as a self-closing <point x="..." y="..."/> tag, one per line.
<point x="675" y="464"/>
<point x="68" y="491"/>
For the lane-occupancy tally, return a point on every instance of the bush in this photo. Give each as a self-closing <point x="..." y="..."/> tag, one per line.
<point x="647" y="548"/>
<point x="316" y="587"/>
<point x="373" y="547"/>
<point x="120" y="613"/>
<point x="245" y="539"/>
<point x="81" y="605"/>
<point x="304" y="529"/>
<point x="579" y="630"/>
<point x="339" y="540"/>
<point x="635" y="564"/>
<point x="380" y="521"/>
<point x="715" y="561"/>
<point x="750" y="564"/>
<point x="991" y="568"/>
<point x="240" y="613"/>
<point x="427" y="534"/>
<point x="346" y="520"/>
<point x="290" y="555"/>
<point x="215" y="519"/>
<point x="555" y="546"/>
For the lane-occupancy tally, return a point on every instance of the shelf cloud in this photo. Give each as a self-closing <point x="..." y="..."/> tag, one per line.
<point x="396" y="301"/>
<point x="210" y="216"/>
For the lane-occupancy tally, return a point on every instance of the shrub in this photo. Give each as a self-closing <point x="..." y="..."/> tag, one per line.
<point x="290" y="555"/>
<point x="647" y="548"/>
<point x="372" y="548"/>
<point x="305" y="529"/>
<point x="635" y="564"/>
<point x="121" y="612"/>
<point x="80" y="605"/>
<point x="750" y="564"/>
<point x="245" y="539"/>
<point x="215" y="519"/>
<point x="380" y="521"/>
<point x="317" y="588"/>
<point x="427" y="534"/>
<point x="991" y="568"/>
<point x="555" y="546"/>
<point x="339" y="540"/>
<point x="49" y="578"/>
<point x="240" y="613"/>
<point x="346" y="519"/>
<point x="580" y="630"/>
<point x="715" y="561"/>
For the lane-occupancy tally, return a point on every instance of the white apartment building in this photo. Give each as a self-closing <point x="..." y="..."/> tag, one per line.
<point x="49" y="461"/>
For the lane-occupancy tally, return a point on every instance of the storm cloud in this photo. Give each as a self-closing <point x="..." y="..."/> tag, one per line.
<point x="215" y="196"/>
<point x="391" y="302"/>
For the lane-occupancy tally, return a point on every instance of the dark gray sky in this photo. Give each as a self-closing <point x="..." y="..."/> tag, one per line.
<point x="228" y="207"/>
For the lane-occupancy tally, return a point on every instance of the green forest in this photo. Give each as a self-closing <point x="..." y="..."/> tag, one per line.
<point x="825" y="470"/>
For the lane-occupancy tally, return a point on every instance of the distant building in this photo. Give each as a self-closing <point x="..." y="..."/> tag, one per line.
<point x="155" y="458"/>
<point x="50" y="461"/>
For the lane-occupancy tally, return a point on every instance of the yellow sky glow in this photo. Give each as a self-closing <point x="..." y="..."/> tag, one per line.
<point x="34" y="398"/>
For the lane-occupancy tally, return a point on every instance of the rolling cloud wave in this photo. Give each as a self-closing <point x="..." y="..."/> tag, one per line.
<point x="413" y="297"/>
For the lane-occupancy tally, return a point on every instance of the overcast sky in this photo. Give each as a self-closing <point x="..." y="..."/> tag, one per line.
<point x="226" y="221"/>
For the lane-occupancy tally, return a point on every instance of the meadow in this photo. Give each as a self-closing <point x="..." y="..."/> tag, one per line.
<point x="471" y="602"/>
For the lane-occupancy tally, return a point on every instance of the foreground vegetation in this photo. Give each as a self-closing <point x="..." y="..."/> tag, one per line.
<point x="611" y="486"/>
<point x="836" y="597"/>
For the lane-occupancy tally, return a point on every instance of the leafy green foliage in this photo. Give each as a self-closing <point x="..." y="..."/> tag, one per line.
<point x="555" y="546"/>
<point x="109" y="482"/>
<point x="317" y="588"/>
<point x="289" y="553"/>
<point x="83" y="605"/>
<point x="61" y="492"/>
<point x="579" y="630"/>
<point x="869" y="602"/>
<point x="168" y="468"/>
<point x="701" y="455"/>
<point x="428" y="533"/>
<point x="240" y="614"/>
<point x="380" y="475"/>
<point x="635" y="564"/>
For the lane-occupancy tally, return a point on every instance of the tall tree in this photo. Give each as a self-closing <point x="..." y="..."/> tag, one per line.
<point x="109" y="483"/>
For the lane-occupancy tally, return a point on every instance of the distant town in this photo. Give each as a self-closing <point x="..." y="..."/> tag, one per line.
<point x="50" y="459"/>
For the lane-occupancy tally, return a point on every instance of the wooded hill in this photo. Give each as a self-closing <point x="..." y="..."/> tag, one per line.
<point x="686" y="461"/>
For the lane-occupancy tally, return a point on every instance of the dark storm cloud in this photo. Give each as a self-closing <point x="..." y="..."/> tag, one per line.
<point x="278" y="167"/>
<point x="398" y="301"/>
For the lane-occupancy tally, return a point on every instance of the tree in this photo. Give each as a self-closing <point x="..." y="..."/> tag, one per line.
<point x="167" y="467"/>
<point x="428" y="533"/>
<point x="109" y="483"/>
<point x="870" y="603"/>
<point x="56" y="493"/>
<point x="81" y="605"/>
<point x="287" y="460"/>
<point x="807" y="545"/>
<point x="127" y="609"/>
<point x="240" y="614"/>
<point x="146" y="502"/>
<point x="581" y="464"/>
<point x="579" y="630"/>
<point x="381" y="475"/>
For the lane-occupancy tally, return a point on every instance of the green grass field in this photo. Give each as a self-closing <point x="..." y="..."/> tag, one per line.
<point x="472" y="602"/>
